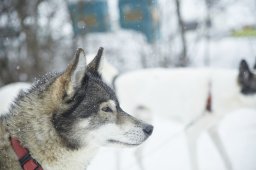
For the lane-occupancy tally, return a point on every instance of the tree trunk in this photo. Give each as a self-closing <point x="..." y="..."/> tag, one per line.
<point x="32" y="45"/>
<point x="207" y="34"/>
<point x="183" y="60"/>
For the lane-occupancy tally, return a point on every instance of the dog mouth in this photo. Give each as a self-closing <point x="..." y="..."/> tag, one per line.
<point x="122" y="143"/>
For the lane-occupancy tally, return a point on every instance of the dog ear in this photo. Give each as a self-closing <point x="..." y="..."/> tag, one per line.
<point x="244" y="73"/>
<point x="73" y="76"/>
<point x="94" y="67"/>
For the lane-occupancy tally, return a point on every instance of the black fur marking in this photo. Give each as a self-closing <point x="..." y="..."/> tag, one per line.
<point x="76" y="101"/>
<point x="64" y="127"/>
<point x="107" y="89"/>
<point x="63" y="122"/>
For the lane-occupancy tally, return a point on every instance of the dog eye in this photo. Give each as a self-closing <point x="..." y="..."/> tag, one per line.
<point x="107" y="109"/>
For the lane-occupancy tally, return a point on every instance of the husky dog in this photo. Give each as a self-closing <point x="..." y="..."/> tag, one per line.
<point x="65" y="117"/>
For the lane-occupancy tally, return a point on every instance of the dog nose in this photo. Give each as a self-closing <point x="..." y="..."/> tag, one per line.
<point x="148" y="129"/>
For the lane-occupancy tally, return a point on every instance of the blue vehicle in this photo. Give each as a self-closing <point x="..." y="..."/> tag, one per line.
<point x="89" y="16"/>
<point x="142" y="16"/>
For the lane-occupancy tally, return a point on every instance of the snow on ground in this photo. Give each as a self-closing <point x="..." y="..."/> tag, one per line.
<point x="238" y="131"/>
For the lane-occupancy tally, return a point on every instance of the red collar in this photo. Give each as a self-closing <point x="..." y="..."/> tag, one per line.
<point x="209" y="103"/>
<point x="26" y="161"/>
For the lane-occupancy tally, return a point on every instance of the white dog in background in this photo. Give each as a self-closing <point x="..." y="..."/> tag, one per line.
<point x="182" y="95"/>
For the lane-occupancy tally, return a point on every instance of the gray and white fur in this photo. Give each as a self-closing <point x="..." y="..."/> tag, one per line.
<point x="66" y="117"/>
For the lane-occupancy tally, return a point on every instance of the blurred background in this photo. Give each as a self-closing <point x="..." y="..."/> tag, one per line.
<point x="41" y="35"/>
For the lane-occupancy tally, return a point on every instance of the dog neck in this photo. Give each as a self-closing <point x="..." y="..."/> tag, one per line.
<point x="66" y="159"/>
<point x="45" y="145"/>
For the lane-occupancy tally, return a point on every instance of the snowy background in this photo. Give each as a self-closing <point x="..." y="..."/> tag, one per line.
<point x="42" y="40"/>
<point x="38" y="36"/>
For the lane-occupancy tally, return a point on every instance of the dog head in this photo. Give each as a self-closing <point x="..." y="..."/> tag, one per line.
<point x="87" y="110"/>
<point x="246" y="79"/>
